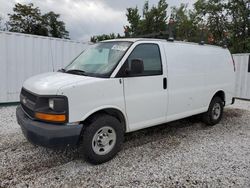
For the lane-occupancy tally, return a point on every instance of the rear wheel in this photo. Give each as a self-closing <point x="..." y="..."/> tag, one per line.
<point x="102" y="139"/>
<point x="215" y="112"/>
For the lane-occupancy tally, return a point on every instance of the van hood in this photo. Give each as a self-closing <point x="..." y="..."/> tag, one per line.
<point x="50" y="83"/>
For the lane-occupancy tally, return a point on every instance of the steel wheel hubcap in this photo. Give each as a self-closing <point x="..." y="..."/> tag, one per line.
<point x="216" y="111"/>
<point x="104" y="140"/>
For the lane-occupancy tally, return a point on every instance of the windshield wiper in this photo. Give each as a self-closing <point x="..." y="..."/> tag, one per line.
<point x="61" y="70"/>
<point x="76" y="71"/>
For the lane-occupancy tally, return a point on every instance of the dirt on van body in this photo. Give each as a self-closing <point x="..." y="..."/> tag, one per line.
<point x="184" y="153"/>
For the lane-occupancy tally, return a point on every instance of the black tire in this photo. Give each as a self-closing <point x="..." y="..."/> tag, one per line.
<point x="99" y="122"/>
<point x="209" y="117"/>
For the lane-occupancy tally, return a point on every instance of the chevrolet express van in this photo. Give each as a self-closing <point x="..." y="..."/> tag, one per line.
<point x="120" y="86"/>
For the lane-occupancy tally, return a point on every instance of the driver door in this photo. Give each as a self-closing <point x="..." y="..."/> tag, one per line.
<point x="145" y="93"/>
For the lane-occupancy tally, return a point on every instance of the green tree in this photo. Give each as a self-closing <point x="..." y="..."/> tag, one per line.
<point x="160" y="16"/>
<point x="209" y="16"/>
<point x="154" y="19"/>
<point x="239" y="27"/>
<point x="226" y="20"/>
<point x="199" y="11"/>
<point x="216" y="21"/>
<point x="213" y="21"/>
<point x="28" y="19"/>
<point x="99" y="38"/>
<point x="199" y="20"/>
<point x="148" y="18"/>
<point x="184" y="23"/>
<point x="1" y="23"/>
<point x="55" y="27"/>
<point x="133" y="18"/>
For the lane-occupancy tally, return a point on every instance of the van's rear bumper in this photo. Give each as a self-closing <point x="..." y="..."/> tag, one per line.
<point x="48" y="135"/>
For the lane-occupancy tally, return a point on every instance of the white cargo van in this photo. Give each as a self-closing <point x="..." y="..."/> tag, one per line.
<point x="119" y="86"/>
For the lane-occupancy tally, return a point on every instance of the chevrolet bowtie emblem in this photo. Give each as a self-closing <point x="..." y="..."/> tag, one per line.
<point x="24" y="101"/>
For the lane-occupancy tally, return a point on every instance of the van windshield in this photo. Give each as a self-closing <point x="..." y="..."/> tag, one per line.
<point x="99" y="60"/>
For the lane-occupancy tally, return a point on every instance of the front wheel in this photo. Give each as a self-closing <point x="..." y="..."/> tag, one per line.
<point x="215" y="112"/>
<point x="102" y="139"/>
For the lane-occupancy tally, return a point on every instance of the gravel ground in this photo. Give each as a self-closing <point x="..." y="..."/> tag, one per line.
<point x="184" y="153"/>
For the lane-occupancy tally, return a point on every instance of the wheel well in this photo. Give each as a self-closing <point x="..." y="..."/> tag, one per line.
<point x="220" y="94"/>
<point x="110" y="111"/>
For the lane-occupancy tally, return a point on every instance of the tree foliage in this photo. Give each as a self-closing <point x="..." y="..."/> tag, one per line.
<point x="133" y="18"/>
<point x="185" y="25"/>
<point x="226" y="21"/>
<point x="152" y="20"/>
<point x="212" y="21"/>
<point x="99" y="38"/>
<point x="28" y="19"/>
<point x="54" y="26"/>
<point x="239" y="26"/>
<point x="1" y="23"/>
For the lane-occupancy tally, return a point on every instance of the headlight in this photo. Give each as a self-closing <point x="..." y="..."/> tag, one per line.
<point x="52" y="109"/>
<point x="51" y="104"/>
<point x="57" y="104"/>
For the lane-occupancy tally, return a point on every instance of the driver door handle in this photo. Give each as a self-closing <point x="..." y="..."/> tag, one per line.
<point x="165" y="83"/>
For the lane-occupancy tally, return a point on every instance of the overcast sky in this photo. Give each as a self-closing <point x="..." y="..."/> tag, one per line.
<point x="85" y="18"/>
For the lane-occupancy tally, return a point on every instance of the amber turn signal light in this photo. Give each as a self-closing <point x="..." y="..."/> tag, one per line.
<point x="51" y="117"/>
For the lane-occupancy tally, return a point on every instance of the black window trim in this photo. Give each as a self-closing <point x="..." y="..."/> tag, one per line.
<point x="119" y="75"/>
<point x="249" y="64"/>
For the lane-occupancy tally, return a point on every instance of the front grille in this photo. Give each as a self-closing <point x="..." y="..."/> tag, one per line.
<point x="29" y="95"/>
<point x="28" y="102"/>
<point x="28" y="111"/>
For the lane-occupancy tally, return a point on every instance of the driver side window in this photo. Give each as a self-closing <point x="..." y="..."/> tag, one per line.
<point x="151" y="57"/>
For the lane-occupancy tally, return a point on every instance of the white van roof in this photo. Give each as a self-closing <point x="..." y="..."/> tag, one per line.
<point x="163" y="40"/>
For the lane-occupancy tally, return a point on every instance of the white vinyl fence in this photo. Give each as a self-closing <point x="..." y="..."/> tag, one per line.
<point x="242" y="62"/>
<point x="22" y="56"/>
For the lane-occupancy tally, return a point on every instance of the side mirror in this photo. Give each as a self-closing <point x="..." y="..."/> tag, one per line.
<point x="137" y="66"/>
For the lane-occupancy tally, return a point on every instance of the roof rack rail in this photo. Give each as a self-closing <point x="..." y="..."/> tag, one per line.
<point x="157" y="35"/>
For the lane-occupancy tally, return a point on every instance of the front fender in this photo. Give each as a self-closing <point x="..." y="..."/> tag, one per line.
<point x="101" y="108"/>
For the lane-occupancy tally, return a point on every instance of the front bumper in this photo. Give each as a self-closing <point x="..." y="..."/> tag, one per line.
<point x="47" y="134"/>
